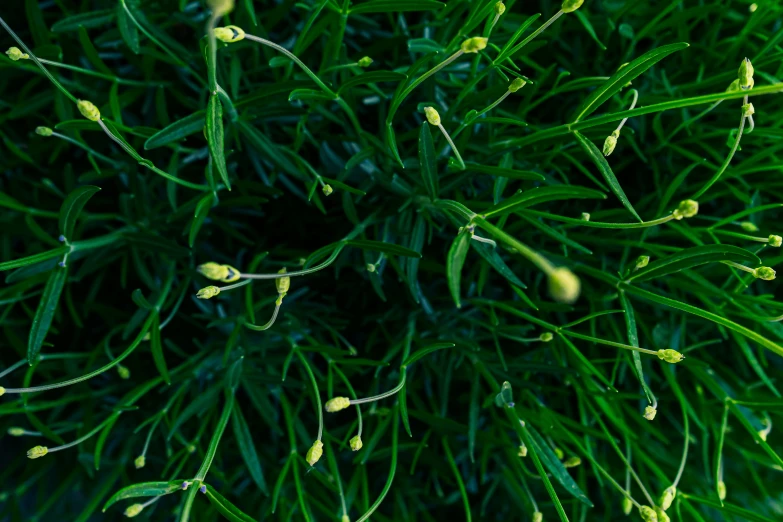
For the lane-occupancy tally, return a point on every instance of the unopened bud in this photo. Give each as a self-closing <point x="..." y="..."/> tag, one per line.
<point x="722" y="490"/>
<point x="546" y="337"/>
<point x="648" y="514"/>
<point x="337" y="404"/>
<point x="564" y="286"/>
<point x="585" y="216"/>
<point x="748" y="110"/>
<point x="500" y="8"/>
<point x="745" y="75"/>
<point x="2" y="391"/>
<point x="123" y="372"/>
<point x="356" y="443"/>
<point x="642" y="261"/>
<point x="474" y="45"/>
<point x="611" y="142"/>
<point x="764" y="272"/>
<point x="686" y="209"/>
<point x="218" y="272"/>
<point x="15" y="432"/>
<point x="283" y="283"/>
<point x="667" y="497"/>
<point x="627" y="506"/>
<point x="661" y="514"/>
<point x="327" y="189"/>
<point x="364" y="62"/>
<point x="538" y="516"/>
<point x="749" y="226"/>
<point x="432" y="115"/>
<point x="775" y="241"/>
<point x="208" y="292"/>
<point x="733" y="86"/>
<point x="315" y="452"/>
<point x="649" y="413"/>
<point x="522" y="451"/>
<point x="345" y="519"/>
<point x="762" y="434"/>
<point x="559" y="453"/>
<point x="229" y="34"/>
<point x="15" y="54"/>
<point x="370" y="267"/>
<point x="221" y="7"/>
<point x="37" y="452"/>
<point x="43" y="131"/>
<point x="569" y="6"/>
<point x="670" y="356"/>
<point x="88" y="110"/>
<point x="572" y="462"/>
<point x="133" y="510"/>
<point x="140" y="462"/>
<point x="517" y="84"/>
<point x="191" y="448"/>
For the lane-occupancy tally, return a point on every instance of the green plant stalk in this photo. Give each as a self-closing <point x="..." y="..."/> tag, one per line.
<point x="392" y="467"/>
<point x="715" y="177"/>
<point x="96" y="74"/>
<point x="85" y="437"/>
<point x="317" y="395"/>
<point x="86" y="148"/>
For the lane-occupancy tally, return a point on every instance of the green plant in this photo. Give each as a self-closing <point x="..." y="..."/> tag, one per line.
<point x="519" y="325"/>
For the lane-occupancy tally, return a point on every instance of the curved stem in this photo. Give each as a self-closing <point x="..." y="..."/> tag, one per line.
<point x="268" y="324"/>
<point x="685" y="447"/>
<point x="316" y="268"/>
<point x="714" y="179"/>
<point x="382" y="395"/>
<point x="319" y="408"/>
<point x="85" y="437"/>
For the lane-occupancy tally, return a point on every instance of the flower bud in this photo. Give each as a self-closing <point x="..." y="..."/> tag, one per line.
<point x="648" y="514"/>
<point x="364" y="62"/>
<point x="572" y="462"/>
<point x="140" y="462"/>
<point x="500" y="8"/>
<point x="229" y="34"/>
<point x="282" y="283"/>
<point x="15" y="54"/>
<point x="345" y="519"/>
<point x="2" y="391"/>
<point x="522" y="451"/>
<point x="43" y="131"/>
<point x="538" y="516"/>
<point x="611" y="142"/>
<point x="208" y="292"/>
<point x="733" y="86"/>
<point x="667" y="497"/>
<point x="15" y="431"/>
<point x="191" y="448"/>
<point x="337" y="404"/>
<point x="749" y="226"/>
<point x="432" y="115"/>
<point x="88" y="110"/>
<point x="564" y="285"/>
<point x="123" y="372"/>
<point x="662" y="516"/>
<point x="356" y="443"/>
<point x="315" y="452"/>
<point x="517" y="84"/>
<point x="585" y="216"/>
<point x="722" y="490"/>
<point x="569" y="6"/>
<point x="221" y="7"/>
<point x="474" y="45"/>
<point x="37" y="452"/>
<point x="133" y="510"/>
<point x="775" y="241"/>
<point x="627" y="506"/>
<point x="686" y="209"/>
<point x="546" y="337"/>
<point x="218" y="272"/>
<point x="670" y="356"/>
<point x="748" y="110"/>
<point x="649" y="413"/>
<point x="764" y="272"/>
<point x="745" y="75"/>
<point x="559" y="453"/>
<point x="642" y="261"/>
<point x="327" y="190"/>
<point x="370" y="267"/>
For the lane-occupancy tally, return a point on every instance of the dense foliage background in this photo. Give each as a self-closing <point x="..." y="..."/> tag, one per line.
<point x="209" y="401"/>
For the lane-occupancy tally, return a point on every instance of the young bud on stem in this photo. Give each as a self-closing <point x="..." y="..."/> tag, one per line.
<point x="564" y="286"/>
<point x="229" y="34"/>
<point x="337" y="404"/>
<point x="44" y="131"/>
<point x="667" y="497"/>
<point x="432" y="116"/>
<point x="764" y="272"/>
<point x="569" y="6"/>
<point x="356" y="443"/>
<point x="474" y="45"/>
<point x="648" y="514"/>
<point x="649" y="413"/>
<point x="37" y="452"/>
<point x="15" y="54"/>
<point x="670" y="356"/>
<point x="315" y="452"/>
<point x="133" y="510"/>
<point x="208" y="292"/>
<point x="745" y="75"/>
<point x="283" y="283"/>
<point x="88" y="110"/>
<point x="364" y="62"/>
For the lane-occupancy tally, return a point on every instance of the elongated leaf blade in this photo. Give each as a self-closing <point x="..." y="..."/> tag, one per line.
<point x="214" y="126"/>
<point x="693" y="257"/>
<point x="492" y="257"/>
<point x="45" y="312"/>
<point x="455" y="260"/>
<point x="176" y="131"/>
<point x="247" y="448"/>
<point x="504" y="172"/>
<point x="381" y="246"/>
<point x="157" y="350"/>
<point x="429" y="168"/>
<point x="144" y="489"/>
<point x="128" y="30"/>
<point x="396" y="6"/>
<point x="87" y="20"/>
<point x="372" y="77"/>
<point x="426" y="351"/>
<point x="72" y="207"/>
<point x="539" y="195"/>
<point x="225" y="507"/>
<point x="553" y="464"/>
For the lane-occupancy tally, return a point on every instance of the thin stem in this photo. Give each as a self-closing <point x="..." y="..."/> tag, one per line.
<point x="453" y="147"/>
<point x="90" y="434"/>
<point x="97" y="74"/>
<point x="353" y="394"/>
<point x="531" y="255"/>
<point x="738" y="266"/>
<point x="268" y="324"/>
<point x="633" y="104"/>
<point x="84" y="147"/>
<point x="235" y="285"/>
<point x="432" y="71"/>
<point x="316" y="268"/>
<point x="381" y="396"/>
<point x="685" y="447"/>
<point x="319" y="408"/>
<point x="725" y="165"/>
<point x="608" y="343"/>
<point x="532" y="35"/>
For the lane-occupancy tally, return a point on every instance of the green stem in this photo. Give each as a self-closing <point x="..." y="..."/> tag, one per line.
<point x="319" y="408"/>
<point x="453" y="147"/>
<point x="85" y="148"/>
<point x="726" y="162"/>
<point x="78" y="441"/>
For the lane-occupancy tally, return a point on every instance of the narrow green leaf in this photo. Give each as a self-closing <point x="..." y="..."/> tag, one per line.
<point x="87" y="20"/>
<point x="692" y="257"/>
<point x="371" y="77"/>
<point x="176" y="131"/>
<point x="157" y="350"/>
<point x="556" y="467"/>
<point x="128" y="30"/>
<point x="455" y="260"/>
<point x="226" y="508"/>
<point x="426" y="351"/>
<point x="539" y="195"/>
<point x="214" y="126"/>
<point x="396" y="6"/>
<point x="144" y="489"/>
<point x="504" y="172"/>
<point x="140" y="300"/>
<point x="633" y="340"/>
<point x="247" y="448"/>
<point x="45" y="312"/>
<point x="72" y="207"/>
<point x="202" y="209"/>
<point x="492" y="257"/>
<point x="91" y="53"/>
<point x="381" y="246"/>
<point x="429" y="168"/>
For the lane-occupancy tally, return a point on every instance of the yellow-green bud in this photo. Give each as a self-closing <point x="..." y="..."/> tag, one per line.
<point x="345" y="519"/>
<point x="15" y="432"/>
<point x="649" y="413"/>
<point x="775" y="241"/>
<point x="221" y="7"/>
<point x="337" y="404"/>
<point x="191" y="448"/>
<point x="585" y="216"/>
<point x="500" y="8"/>
<point x="546" y="337"/>
<point x="327" y="190"/>
<point x="764" y="272"/>
<point x="753" y="7"/>
<point x="748" y="110"/>
<point x="572" y="462"/>
<point x="2" y="391"/>
<point x="686" y="209"/>
<point x="218" y="272"/>
<point x="648" y="514"/>
<point x="370" y="267"/>
<point x="432" y="115"/>
<point x="745" y="75"/>
<point x="670" y="356"/>
<point x="356" y="443"/>
<point x="522" y="451"/>
<point x="37" y="452"/>
<point x="564" y="286"/>
<point x="44" y="131"/>
<point x="762" y="434"/>
<point x="733" y="86"/>
<point x="123" y="372"/>
<point x="133" y="510"/>
<point x="315" y="452"/>
<point x="140" y="462"/>
<point x="722" y="490"/>
<point x="661" y="514"/>
<point x="282" y="283"/>
<point x="611" y="142"/>
<point x="569" y="6"/>
<point x="517" y="84"/>
<point x="208" y="292"/>
<point x="474" y="45"/>
<point x="627" y="506"/>
<point x="15" y="54"/>
<point x="749" y="226"/>
<point x="642" y="261"/>
<point x="88" y="110"/>
<point x="364" y="62"/>
<point x="229" y="34"/>
<point x="667" y="497"/>
<point x="538" y="516"/>
<point x="559" y="453"/>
